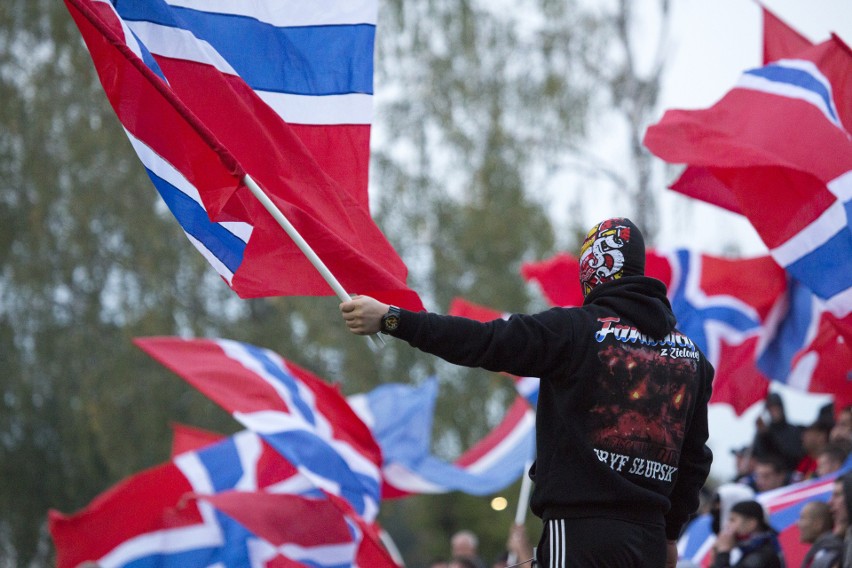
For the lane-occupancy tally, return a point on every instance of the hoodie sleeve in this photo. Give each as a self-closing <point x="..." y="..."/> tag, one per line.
<point x="695" y="460"/>
<point x="526" y="345"/>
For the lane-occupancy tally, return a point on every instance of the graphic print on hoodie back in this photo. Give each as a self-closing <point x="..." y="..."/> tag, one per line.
<point x="639" y="409"/>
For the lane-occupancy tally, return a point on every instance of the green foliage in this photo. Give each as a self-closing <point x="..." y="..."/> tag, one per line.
<point x="474" y="109"/>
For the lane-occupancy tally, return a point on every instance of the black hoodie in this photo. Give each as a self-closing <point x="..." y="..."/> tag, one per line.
<point x="621" y="422"/>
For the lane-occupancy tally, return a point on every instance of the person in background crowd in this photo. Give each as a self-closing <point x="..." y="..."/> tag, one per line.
<point x="841" y="433"/>
<point x="777" y="437"/>
<point x="815" y="528"/>
<point x="465" y="545"/>
<point x="462" y="562"/>
<point x="747" y="540"/>
<point x="841" y="510"/>
<point x="831" y="459"/>
<point x="770" y="473"/>
<point x="744" y="461"/>
<point x="727" y="495"/>
<point x="814" y="441"/>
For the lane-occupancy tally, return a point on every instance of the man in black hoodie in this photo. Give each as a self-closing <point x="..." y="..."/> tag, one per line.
<point x="621" y="422"/>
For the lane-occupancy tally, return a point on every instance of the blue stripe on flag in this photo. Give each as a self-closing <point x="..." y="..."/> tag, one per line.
<point x="223" y="244"/>
<point x="149" y="60"/>
<point x="222" y="461"/>
<point x="797" y="78"/>
<point x="776" y="361"/>
<point x="693" y="320"/>
<point x="310" y="452"/>
<point x="287" y="380"/>
<point x="194" y="557"/>
<point x="826" y="269"/>
<point x="309" y="60"/>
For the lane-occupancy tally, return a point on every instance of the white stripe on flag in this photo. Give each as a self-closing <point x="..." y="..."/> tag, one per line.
<point x="789" y="90"/>
<point x="518" y="434"/>
<point x="327" y="555"/>
<point x="178" y="43"/>
<point x="353" y="108"/>
<point x="828" y="224"/>
<point x="291" y="13"/>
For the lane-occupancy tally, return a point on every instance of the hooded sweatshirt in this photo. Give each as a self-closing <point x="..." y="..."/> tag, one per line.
<point x="621" y="422"/>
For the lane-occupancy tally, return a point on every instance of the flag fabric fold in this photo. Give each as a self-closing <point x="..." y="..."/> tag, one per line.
<point x="779" y="41"/>
<point x="303" y="418"/>
<point x="176" y="75"/>
<point x="400" y="417"/>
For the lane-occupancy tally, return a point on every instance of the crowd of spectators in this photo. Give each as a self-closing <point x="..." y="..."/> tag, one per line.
<point x="782" y="453"/>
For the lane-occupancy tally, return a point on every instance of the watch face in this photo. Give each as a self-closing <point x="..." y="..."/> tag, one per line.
<point x="390" y="322"/>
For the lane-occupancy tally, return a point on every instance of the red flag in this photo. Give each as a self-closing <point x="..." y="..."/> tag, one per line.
<point x="154" y="502"/>
<point x="779" y="41"/>
<point x="172" y="107"/>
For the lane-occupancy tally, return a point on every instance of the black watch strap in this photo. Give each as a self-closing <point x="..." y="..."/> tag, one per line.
<point x="390" y="321"/>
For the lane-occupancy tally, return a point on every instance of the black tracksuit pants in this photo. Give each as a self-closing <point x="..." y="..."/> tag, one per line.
<point x="601" y="543"/>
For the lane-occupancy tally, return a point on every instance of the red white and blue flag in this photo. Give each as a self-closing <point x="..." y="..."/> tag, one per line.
<point x="170" y="516"/>
<point x="400" y="417"/>
<point x="208" y="92"/>
<point x="303" y="418"/>
<point x="722" y="311"/>
<point x="779" y="140"/>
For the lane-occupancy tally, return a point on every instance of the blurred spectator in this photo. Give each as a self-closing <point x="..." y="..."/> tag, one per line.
<point x="770" y="473"/>
<point x="775" y="436"/>
<point x="841" y="433"/>
<point x="815" y="528"/>
<point x="831" y="459"/>
<point x="744" y="460"/>
<point x="814" y="441"/>
<point x="841" y="510"/>
<point x="747" y="540"/>
<point x="462" y="562"/>
<point x="727" y="495"/>
<point x="465" y="545"/>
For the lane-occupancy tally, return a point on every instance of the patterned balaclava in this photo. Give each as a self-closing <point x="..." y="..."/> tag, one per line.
<point x="612" y="249"/>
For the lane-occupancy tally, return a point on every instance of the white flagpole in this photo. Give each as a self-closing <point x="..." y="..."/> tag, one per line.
<point x="306" y="249"/>
<point x="523" y="502"/>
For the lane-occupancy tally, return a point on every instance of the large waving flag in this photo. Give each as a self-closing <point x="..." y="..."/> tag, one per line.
<point x="780" y="141"/>
<point x="400" y="417"/>
<point x="182" y="514"/>
<point x="208" y="92"/>
<point x="720" y="309"/>
<point x="303" y="418"/>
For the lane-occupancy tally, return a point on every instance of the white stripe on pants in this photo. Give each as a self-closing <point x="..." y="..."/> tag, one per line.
<point x="556" y="538"/>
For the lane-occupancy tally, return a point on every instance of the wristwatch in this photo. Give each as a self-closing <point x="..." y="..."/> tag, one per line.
<point x="390" y="321"/>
